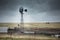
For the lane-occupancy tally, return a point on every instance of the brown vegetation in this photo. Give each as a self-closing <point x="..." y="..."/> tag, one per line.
<point x="29" y="25"/>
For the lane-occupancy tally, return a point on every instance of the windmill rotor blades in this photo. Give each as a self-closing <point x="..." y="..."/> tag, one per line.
<point x="21" y="10"/>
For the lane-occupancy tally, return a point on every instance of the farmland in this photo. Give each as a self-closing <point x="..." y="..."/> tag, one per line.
<point x="29" y="25"/>
<point x="29" y="37"/>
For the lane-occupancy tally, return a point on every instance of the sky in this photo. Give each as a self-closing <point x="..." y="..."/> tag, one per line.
<point x="37" y="10"/>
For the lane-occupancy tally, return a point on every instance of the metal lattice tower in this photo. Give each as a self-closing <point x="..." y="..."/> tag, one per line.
<point x="21" y="10"/>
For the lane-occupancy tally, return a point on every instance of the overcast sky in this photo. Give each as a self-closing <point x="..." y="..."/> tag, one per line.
<point x="38" y="10"/>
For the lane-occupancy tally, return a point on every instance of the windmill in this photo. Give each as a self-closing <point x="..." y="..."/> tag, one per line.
<point x="21" y="10"/>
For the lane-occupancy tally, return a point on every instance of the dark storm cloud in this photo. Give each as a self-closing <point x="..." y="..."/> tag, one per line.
<point x="42" y="5"/>
<point x="54" y="4"/>
<point x="8" y="4"/>
<point x="10" y="8"/>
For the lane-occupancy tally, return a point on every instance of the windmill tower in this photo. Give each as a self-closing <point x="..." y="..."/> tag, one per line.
<point x="21" y="10"/>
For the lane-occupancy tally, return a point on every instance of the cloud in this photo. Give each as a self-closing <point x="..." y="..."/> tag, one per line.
<point x="54" y="4"/>
<point x="10" y="8"/>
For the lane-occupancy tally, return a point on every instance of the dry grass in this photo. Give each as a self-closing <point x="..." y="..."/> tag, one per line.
<point x="28" y="37"/>
<point x="29" y="25"/>
<point x="7" y="38"/>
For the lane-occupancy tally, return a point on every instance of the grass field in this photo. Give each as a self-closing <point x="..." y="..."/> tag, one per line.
<point x="26" y="37"/>
<point x="31" y="25"/>
<point x="7" y="38"/>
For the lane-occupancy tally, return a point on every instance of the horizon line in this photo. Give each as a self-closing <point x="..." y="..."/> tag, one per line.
<point x="30" y="22"/>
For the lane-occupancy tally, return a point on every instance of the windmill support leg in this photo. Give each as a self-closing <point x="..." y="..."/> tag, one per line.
<point x="22" y="21"/>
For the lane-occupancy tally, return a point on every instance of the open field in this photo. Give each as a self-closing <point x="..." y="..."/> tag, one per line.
<point x="29" y="37"/>
<point x="32" y="25"/>
<point x="26" y="37"/>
